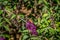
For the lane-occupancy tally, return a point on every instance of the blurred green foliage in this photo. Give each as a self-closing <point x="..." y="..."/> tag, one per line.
<point x="46" y="19"/>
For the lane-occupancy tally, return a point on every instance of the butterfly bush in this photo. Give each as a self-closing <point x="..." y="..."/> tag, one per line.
<point x="1" y="38"/>
<point x="30" y="26"/>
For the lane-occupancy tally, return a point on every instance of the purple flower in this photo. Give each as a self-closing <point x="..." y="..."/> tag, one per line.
<point x="1" y="38"/>
<point x="34" y="33"/>
<point x="30" y="26"/>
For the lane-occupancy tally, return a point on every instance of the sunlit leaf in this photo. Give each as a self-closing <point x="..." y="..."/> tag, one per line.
<point x="45" y="15"/>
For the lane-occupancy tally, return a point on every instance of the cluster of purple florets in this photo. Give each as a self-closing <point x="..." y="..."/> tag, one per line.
<point x="30" y="26"/>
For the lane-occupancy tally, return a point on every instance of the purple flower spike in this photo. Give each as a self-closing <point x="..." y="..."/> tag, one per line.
<point x="30" y="26"/>
<point x="1" y="38"/>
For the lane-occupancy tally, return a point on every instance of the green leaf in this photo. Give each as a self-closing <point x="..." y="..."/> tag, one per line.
<point x="25" y="37"/>
<point x="39" y="21"/>
<point x="7" y="28"/>
<point x="25" y="0"/>
<point x="43" y="25"/>
<point x="1" y="24"/>
<point x="34" y="38"/>
<point x="58" y="30"/>
<point x="41" y="31"/>
<point x="45" y="2"/>
<point x="38" y="31"/>
<point x="25" y="31"/>
<point x="13" y="16"/>
<point x="40" y="1"/>
<point x="1" y="19"/>
<point x="5" y="2"/>
<point x="23" y="27"/>
<point x="45" y="15"/>
<point x="1" y="11"/>
<point x="56" y="7"/>
<point x="21" y="15"/>
<point x="5" y="35"/>
<point x="19" y="30"/>
<point x="7" y="20"/>
<point x="51" y="31"/>
<point x="8" y="8"/>
<point x="14" y="6"/>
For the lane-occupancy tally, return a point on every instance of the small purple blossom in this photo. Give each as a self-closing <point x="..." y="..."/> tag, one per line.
<point x="1" y="38"/>
<point x="30" y="26"/>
